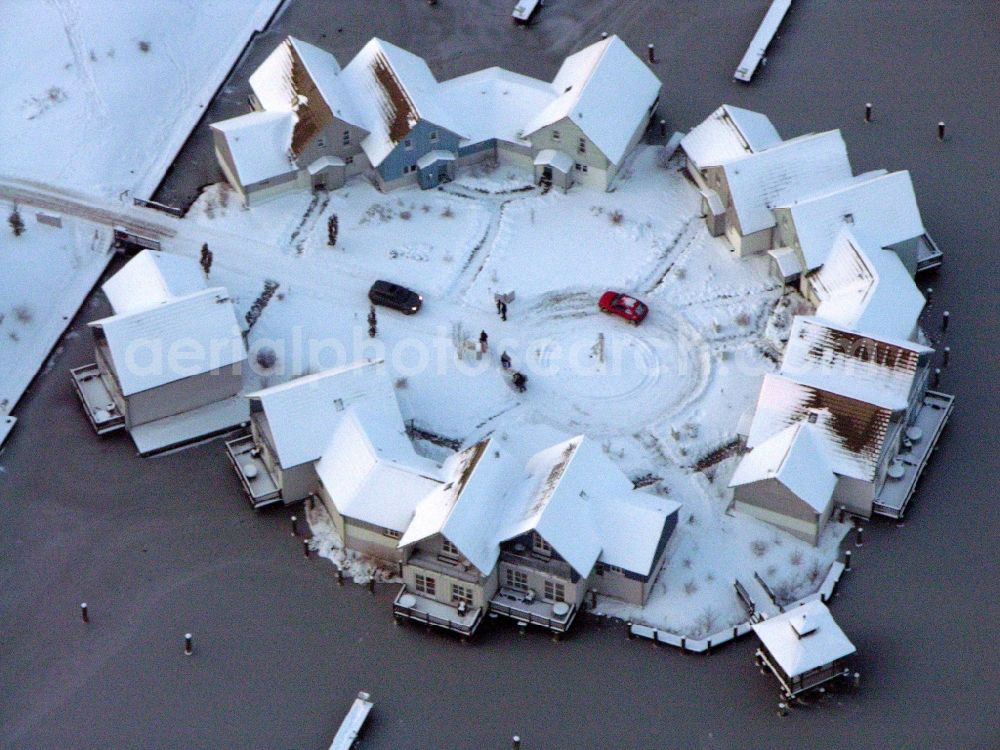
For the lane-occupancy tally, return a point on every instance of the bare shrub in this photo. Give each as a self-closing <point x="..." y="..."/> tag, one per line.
<point x="23" y="314"/>
<point x="401" y="383"/>
<point x="405" y="215"/>
<point x="706" y="623"/>
<point x="616" y="217"/>
<point x="687" y="562"/>
<point x="447" y="213"/>
<point x="266" y="358"/>
<point x="690" y="588"/>
<point x="144" y="45"/>
<point x="743" y="319"/>
<point x="758" y="547"/>
<point x="796" y="558"/>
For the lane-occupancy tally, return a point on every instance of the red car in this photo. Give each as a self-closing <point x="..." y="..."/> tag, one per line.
<point x="624" y="306"/>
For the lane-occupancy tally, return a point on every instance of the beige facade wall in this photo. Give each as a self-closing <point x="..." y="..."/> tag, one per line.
<point x="367" y="540"/>
<point x="568" y="141"/>
<point x="618" y="585"/>
<point x="575" y="592"/>
<point x="184" y="395"/>
<point x="483" y="588"/>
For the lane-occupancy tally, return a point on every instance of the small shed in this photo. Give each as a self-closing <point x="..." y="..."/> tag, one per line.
<point x="435" y="167"/>
<point x="554" y="167"/>
<point x="804" y="648"/>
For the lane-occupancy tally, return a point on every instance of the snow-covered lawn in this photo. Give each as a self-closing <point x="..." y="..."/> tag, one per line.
<point x="99" y="95"/>
<point x="663" y="399"/>
<point x="46" y="272"/>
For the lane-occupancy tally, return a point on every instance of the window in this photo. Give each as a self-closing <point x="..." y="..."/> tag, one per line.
<point x="517" y="579"/>
<point x="348" y="160"/>
<point x="434" y="136"/>
<point x="346" y="140"/>
<point x="338" y="404"/>
<point x="409" y="168"/>
<point x="320" y="142"/>
<point x="582" y="148"/>
<point x="540" y="545"/>
<point x="554" y="591"/>
<point x="460" y="594"/>
<point x="613" y="569"/>
<point x="391" y="533"/>
<point x="408" y="144"/>
<point x="425" y="584"/>
<point x="580" y="167"/>
<point x="556" y="135"/>
<point x="449" y="549"/>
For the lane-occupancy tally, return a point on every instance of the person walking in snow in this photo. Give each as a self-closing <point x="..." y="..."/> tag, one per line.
<point x="519" y="380"/>
<point x="505" y="361"/>
<point x="503" y="310"/>
<point x="483" y="341"/>
<point x="499" y="304"/>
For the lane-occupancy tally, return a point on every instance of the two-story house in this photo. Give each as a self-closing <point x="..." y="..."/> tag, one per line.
<point x="169" y="361"/>
<point x="290" y="427"/>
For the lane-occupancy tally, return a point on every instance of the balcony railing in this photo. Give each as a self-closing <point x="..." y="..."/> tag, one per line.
<point x="518" y="605"/>
<point x="98" y="403"/>
<point x="438" y="614"/>
<point x="258" y="484"/>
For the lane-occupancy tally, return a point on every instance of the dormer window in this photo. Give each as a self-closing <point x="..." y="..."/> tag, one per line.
<point x="556" y="135"/>
<point x="434" y="136"/>
<point x="408" y="144"/>
<point x="450" y="550"/>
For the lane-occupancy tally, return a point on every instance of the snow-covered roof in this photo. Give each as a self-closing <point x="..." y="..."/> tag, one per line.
<point x="798" y="458"/>
<point x="552" y="501"/>
<point x="866" y="367"/>
<point x="151" y="278"/>
<point x="585" y="507"/>
<point x="370" y="469"/>
<point x="393" y="89"/>
<point x="302" y="78"/>
<point x="179" y="338"/>
<point x="606" y="90"/>
<point x="495" y="103"/>
<point x="728" y="133"/>
<point x="867" y="289"/>
<point x="882" y="205"/>
<point x="260" y="144"/>
<point x="783" y="173"/>
<point x="434" y="156"/>
<point x="468" y="507"/>
<point x="787" y="261"/>
<point x="854" y="431"/>
<point x="558" y="159"/>
<point x="302" y="413"/>
<point x="803" y="638"/>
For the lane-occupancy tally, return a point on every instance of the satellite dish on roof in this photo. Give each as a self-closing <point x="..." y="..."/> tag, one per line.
<point x="896" y="470"/>
<point x="249" y="471"/>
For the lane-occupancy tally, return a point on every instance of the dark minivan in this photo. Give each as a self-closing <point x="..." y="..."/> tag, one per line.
<point x="397" y="297"/>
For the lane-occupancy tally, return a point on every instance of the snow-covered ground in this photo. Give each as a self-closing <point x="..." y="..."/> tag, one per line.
<point x="47" y="270"/>
<point x="663" y="399"/>
<point x="97" y="100"/>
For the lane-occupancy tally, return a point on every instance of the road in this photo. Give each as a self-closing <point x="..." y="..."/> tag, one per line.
<point x="159" y="547"/>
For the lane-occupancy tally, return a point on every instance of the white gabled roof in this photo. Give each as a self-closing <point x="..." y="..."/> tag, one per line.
<point x="606" y="90"/>
<point x="867" y="289"/>
<point x="867" y="367"/>
<point x="883" y="206"/>
<point x="787" y="261"/>
<point x="370" y="469"/>
<point x="804" y="638"/>
<point x="783" y="173"/>
<point x="495" y="103"/>
<point x="302" y="413"/>
<point x="728" y="133"/>
<point x="551" y="500"/>
<point x="854" y="431"/>
<point x="176" y="339"/>
<point x="558" y="159"/>
<point x="467" y="509"/>
<point x="260" y="144"/>
<point x="798" y="458"/>
<point x="574" y="496"/>
<point x="393" y="89"/>
<point x="151" y="278"/>
<point x="274" y="83"/>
